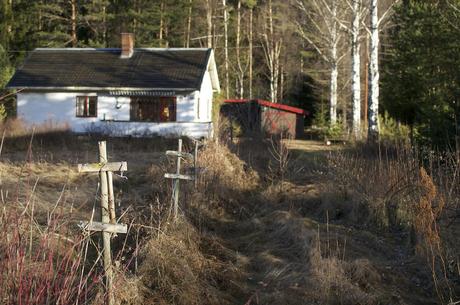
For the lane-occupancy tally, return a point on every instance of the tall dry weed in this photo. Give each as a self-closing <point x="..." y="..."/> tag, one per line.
<point x="399" y="194"/>
<point x="42" y="265"/>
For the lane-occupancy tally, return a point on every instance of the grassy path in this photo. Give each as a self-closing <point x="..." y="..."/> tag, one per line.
<point x="286" y="252"/>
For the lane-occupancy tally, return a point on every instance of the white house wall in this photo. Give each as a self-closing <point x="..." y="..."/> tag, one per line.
<point x="55" y="108"/>
<point x="113" y="115"/>
<point x="205" y="103"/>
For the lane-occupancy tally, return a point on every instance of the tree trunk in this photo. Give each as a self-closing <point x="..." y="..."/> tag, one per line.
<point x="160" y="34"/>
<point x="281" y="88"/>
<point x="240" y="73"/>
<point x="227" y="82"/>
<point x="333" y="94"/>
<point x="104" y="22"/>
<point x="209" y="23"/>
<point x="189" y="24"/>
<point x="73" y="20"/>
<point x="373" y="103"/>
<point x="356" y="70"/>
<point x="272" y="53"/>
<point x="334" y="66"/>
<point x="251" y="55"/>
<point x="273" y="81"/>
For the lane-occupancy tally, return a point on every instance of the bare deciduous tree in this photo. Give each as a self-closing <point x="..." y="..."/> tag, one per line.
<point x="272" y="45"/>
<point x="373" y="129"/>
<point x="321" y="30"/>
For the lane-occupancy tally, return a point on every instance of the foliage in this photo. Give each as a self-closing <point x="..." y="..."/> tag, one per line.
<point x="25" y="25"/>
<point x="6" y="70"/>
<point x="421" y="80"/>
<point x="391" y="130"/>
<point x="335" y="130"/>
<point x="2" y="113"/>
<point x="320" y="117"/>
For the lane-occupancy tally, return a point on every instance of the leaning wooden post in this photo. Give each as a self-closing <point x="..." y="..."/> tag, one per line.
<point x="177" y="181"/>
<point x="177" y="176"/>
<point x="195" y="164"/>
<point x="105" y="213"/>
<point x="108" y="224"/>
<point x="113" y="219"/>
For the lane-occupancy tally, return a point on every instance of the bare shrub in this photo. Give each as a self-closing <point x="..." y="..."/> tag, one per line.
<point x="280" y="157"/>
<point x="43" y="265"/>
<point x="402" y="189"/>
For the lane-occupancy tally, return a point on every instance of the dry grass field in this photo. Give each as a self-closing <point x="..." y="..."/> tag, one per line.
<point x="267" y="224"/>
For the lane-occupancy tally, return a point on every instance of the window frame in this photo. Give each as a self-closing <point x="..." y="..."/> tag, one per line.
<point x="87" y="107"/>
<point x="157" y="100"/>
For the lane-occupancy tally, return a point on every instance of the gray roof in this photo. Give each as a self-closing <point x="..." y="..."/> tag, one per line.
<point x="104" y="69"/>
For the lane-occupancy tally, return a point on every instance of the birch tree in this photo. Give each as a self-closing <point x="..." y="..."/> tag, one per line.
<point x="322" y="32"/>
<point x="356" y="68"/>
<point x="226" y="60"/>
<point x="251" y="4"/>
<point x="240" y="71"/>
<point x="354" y="29"/>
<point x="272" y="45"/>
<point x="373" y="129"/>
<point x="374" y="76"/>
<point x="243" y="60"/>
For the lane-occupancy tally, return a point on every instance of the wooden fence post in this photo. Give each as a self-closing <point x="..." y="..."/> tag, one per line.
<point x="177" y="181"/>
<point x="108" y="225"/>
<point x="177" y="176"/>
<point x="195" y="164"/>
<point x="105" y="213"/>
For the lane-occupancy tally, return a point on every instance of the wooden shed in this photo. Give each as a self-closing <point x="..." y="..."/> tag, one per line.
<point x="259" y="116"/>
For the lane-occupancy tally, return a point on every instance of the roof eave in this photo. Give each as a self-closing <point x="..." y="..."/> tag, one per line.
<point x="76" y="88"/>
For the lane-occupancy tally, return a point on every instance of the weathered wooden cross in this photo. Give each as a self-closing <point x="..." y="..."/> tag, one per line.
<point x="177" y="176"/>
<point x="108" y="224"/>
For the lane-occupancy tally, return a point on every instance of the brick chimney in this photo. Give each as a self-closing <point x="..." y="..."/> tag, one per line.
<point x="127" y="45"/>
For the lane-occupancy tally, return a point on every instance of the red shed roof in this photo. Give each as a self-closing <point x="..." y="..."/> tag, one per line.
<point x="271" y="105"/>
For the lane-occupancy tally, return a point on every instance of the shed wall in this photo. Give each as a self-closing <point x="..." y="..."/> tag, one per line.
<point x="275" y="121"/>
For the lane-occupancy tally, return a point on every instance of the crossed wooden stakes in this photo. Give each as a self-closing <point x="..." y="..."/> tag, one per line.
<point x="108" y="224"/>
<point x="177" y="177"/>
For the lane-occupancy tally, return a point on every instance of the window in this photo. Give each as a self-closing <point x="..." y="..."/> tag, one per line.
<point x="153" y="109"/>
<point x="86" y="106"/>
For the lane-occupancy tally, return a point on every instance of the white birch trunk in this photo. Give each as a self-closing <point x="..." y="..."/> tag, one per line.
<point x="273" y="92"/>
<point x="373" y="104"/>
<point x="240" y="73"/>
<point x="227" y="83"/>
<point x="333" y="97"/>
<point x="334" y="66"/>
<point x="356" y="69"/>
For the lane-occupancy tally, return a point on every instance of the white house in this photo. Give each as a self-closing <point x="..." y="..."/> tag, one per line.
<point x="120" y="92"/>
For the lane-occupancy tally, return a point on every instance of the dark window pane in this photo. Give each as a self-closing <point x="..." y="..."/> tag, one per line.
<point x="86" y="106"/>
<point x="153" y="109"/>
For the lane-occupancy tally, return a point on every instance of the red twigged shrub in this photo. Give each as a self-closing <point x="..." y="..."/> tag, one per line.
<point x="42" y="265"/>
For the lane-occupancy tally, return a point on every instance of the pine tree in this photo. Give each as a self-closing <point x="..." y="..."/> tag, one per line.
<point x="421" y="80"/>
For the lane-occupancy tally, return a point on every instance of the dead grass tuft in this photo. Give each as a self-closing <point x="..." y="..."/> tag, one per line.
<point x="174" y="269"/>
<point x="332" y="283"/>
